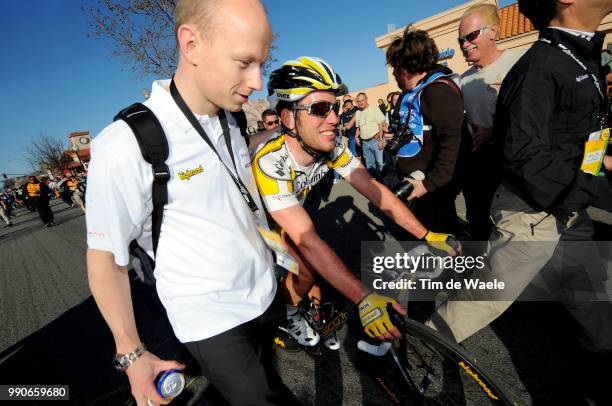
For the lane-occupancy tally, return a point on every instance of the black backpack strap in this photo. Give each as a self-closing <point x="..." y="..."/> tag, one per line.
<point x="154" y="149"/>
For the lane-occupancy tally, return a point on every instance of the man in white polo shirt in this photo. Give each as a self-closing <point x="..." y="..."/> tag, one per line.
<point x="214" y="273"/>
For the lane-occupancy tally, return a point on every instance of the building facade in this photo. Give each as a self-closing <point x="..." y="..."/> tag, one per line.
<point x="515" y="32"/>
<point x="77" y="157"/>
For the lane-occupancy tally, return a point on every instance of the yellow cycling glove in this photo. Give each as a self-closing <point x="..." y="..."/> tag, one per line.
<point x="443" y="242"/>
<point x="373" y="314"/>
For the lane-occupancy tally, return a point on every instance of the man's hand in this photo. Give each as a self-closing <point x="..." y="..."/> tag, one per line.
<point x="482" y="136"/>
<point x="443" y="242"/>
<point x="357" y="140"/>
<point x="608" y="163"/>
<point x="142" y="374"/>
<point x="419" y="189"/>
<point x="375" y="318"/>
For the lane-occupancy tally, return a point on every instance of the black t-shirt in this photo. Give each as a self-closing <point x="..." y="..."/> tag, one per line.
<point x="346" y="117"/>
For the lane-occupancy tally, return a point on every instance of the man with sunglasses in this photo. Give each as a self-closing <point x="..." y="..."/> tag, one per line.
<point x="270" y="120"/>
<point x="287" y="166"/>
<point x="480" y="85"/>
<point x="347" y="121"/>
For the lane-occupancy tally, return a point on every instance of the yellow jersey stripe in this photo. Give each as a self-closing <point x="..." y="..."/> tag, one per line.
<point x="266" y="184"/>
<point x="342" y="160"/>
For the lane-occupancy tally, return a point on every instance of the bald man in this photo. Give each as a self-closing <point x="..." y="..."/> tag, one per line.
<point x="215" y="276"/>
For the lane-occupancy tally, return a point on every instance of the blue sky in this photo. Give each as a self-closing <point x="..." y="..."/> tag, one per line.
<point x="58" y="80"/>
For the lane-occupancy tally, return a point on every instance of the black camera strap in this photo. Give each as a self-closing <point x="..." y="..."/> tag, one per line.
<point x="178" y="99"/>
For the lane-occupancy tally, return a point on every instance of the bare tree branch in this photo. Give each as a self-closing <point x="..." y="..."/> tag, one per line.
<point x="142" y="33"/>
<point x="46" y="152"/>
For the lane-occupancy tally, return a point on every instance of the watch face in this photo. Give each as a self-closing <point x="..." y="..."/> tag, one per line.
<point x="118" y="364"/>
<point x="84" y="140"/>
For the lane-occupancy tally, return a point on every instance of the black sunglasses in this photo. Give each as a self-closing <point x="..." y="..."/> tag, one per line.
<point x="471" y="37"/>
<point x="319" y="108"/>
<point x="272" y="122"/>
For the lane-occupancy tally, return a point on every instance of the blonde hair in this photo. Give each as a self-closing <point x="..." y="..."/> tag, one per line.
<point x="488" y="12"/>
<point x="198" y="12"/>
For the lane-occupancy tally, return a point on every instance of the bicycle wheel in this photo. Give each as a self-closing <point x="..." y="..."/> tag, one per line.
<point x="443" y="373"/>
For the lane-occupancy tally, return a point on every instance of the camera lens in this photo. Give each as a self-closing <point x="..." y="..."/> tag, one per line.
<point x="393" y="145"/>
<point x="402" y="190"/>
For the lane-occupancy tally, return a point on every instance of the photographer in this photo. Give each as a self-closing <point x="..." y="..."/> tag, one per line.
<point x="427" y="128"/>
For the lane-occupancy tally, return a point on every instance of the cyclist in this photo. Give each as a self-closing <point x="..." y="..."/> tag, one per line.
<point x="288" y="164"/>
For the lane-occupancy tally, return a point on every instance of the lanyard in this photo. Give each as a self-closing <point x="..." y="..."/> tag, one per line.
<point x="178" y="99"/>
<point x="569" y="53"/>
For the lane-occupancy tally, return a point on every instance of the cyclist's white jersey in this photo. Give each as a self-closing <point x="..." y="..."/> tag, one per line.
<point x="283" y="183"/>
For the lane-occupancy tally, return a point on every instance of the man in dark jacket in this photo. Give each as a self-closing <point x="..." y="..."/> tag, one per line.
<point x="548" y="106"/>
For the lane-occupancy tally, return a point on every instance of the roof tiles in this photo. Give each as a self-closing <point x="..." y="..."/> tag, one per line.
<point x="512" y="22"/>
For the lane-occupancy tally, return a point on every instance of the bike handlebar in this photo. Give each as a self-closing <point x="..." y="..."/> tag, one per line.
<point x="396" y="318"/>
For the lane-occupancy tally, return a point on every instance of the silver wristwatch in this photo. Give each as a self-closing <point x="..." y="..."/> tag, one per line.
<point x="123" y="361"/>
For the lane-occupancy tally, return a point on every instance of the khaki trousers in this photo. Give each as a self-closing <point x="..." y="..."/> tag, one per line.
<point x="523" y="243"/>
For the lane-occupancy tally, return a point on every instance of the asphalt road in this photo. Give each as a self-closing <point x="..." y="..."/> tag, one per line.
<point x="52" y="332"/>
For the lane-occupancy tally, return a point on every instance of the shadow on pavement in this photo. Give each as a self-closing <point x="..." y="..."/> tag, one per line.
<point x="32" y="223"/>
<point x="547" y="352"/>
<point x="344" y="226"/>
<point x="77" y="348"/>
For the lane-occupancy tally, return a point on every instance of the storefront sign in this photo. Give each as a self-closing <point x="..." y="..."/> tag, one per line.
<point x="446" y="54"/>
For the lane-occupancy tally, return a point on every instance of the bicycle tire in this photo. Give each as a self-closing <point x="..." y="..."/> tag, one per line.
<point x="456" y="379"/>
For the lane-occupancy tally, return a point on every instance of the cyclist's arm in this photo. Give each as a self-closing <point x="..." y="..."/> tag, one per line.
<point x="386" y="201"/>
<point x="298" y="225"/>
<point x="110" y="287"/>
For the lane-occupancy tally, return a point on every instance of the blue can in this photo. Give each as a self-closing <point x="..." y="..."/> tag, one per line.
<point x="170" y="383"/>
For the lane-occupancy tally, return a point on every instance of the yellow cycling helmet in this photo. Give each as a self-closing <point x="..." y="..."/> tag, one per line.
<point x="297" y="78"/>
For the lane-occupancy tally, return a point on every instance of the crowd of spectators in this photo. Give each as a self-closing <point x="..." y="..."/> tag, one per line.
<point x="35" y="194"/>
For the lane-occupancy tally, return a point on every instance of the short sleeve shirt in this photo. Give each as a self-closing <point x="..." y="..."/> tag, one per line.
<point x="283" y="183"/>
<point x="480" y="87"/>
<point x="368" y="120"/>
<point x="213" y="269"/>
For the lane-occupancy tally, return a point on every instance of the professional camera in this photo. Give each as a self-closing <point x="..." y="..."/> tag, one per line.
<point x="401" y="135"/>
<point x="403" y="189"/>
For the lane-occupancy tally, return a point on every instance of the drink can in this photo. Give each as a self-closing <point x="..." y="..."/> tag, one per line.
<point x="170" y="383"/>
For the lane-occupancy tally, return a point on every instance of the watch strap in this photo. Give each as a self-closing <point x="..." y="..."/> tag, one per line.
<point x="123" y="361"/>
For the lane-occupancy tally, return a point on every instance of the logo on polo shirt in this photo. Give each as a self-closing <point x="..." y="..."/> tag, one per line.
<point x="187" y="174"/>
